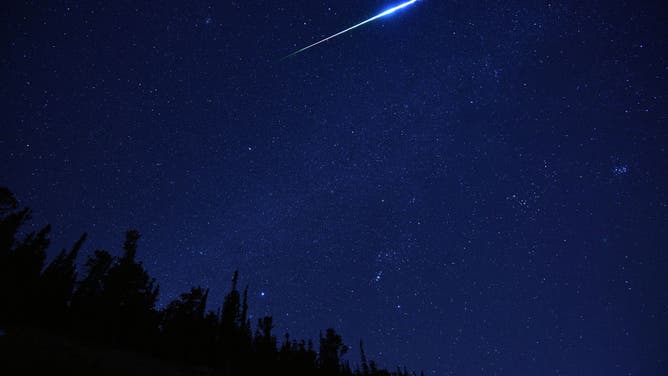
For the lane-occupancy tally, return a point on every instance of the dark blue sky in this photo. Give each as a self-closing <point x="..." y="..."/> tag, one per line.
<point x="470" y="187"/>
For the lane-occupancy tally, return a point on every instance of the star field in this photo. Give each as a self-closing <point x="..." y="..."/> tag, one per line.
<point x="469" y="188"/>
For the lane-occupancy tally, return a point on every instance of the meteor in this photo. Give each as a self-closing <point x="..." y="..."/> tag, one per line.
<point x="382" y="14"/>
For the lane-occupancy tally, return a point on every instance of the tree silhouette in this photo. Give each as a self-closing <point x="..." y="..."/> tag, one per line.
<point x="10" y="222"/>
<point x="230" y="319"/>
<point x="233" y="342"/>
<point x="113" y="304"/>
<point x="244" y="321"/>
<point x="21" y="274"/>
<point x="364" y="363"/>
<point x="187" y="334"/>
<point x="87" y="307"/>
<point x="297" y="358"/>
<point x="129" y="296"/>
<point x="57" y="283"/>
<point x="7" y="200"/>
<point x="264" y="345"/>
<point x="331" y="351"/>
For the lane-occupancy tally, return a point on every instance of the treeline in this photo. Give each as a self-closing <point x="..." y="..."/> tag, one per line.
<point x="113" y="305"/>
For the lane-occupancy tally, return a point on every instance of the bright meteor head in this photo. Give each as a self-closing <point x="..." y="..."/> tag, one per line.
<point x="394" y="9"/>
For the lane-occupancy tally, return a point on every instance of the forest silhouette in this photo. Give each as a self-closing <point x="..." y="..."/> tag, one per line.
<point x="55" y="320"/>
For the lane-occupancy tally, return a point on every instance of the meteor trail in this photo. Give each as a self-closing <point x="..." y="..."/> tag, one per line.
<point x="383" y="14"/>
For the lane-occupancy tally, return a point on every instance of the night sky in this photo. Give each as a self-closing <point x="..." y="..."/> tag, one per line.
<point x="469" y="187"/>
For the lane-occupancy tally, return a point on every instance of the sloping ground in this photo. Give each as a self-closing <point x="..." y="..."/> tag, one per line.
<point x="29" y="351"/>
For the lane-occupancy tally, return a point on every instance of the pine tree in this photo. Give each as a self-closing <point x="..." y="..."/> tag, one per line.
<point x="244" y="321"/>
<point x="130" y="295"/>
<point x="230" y="330"/>
<point x="114" y="304"/>
<point x="57" y="284"/>
<point x="24" y="265"/>
<point x="331" y="350"/>
<point x="185" y="330"/>
<point x="365" y="365"/>
<point x="10" y="222"/>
